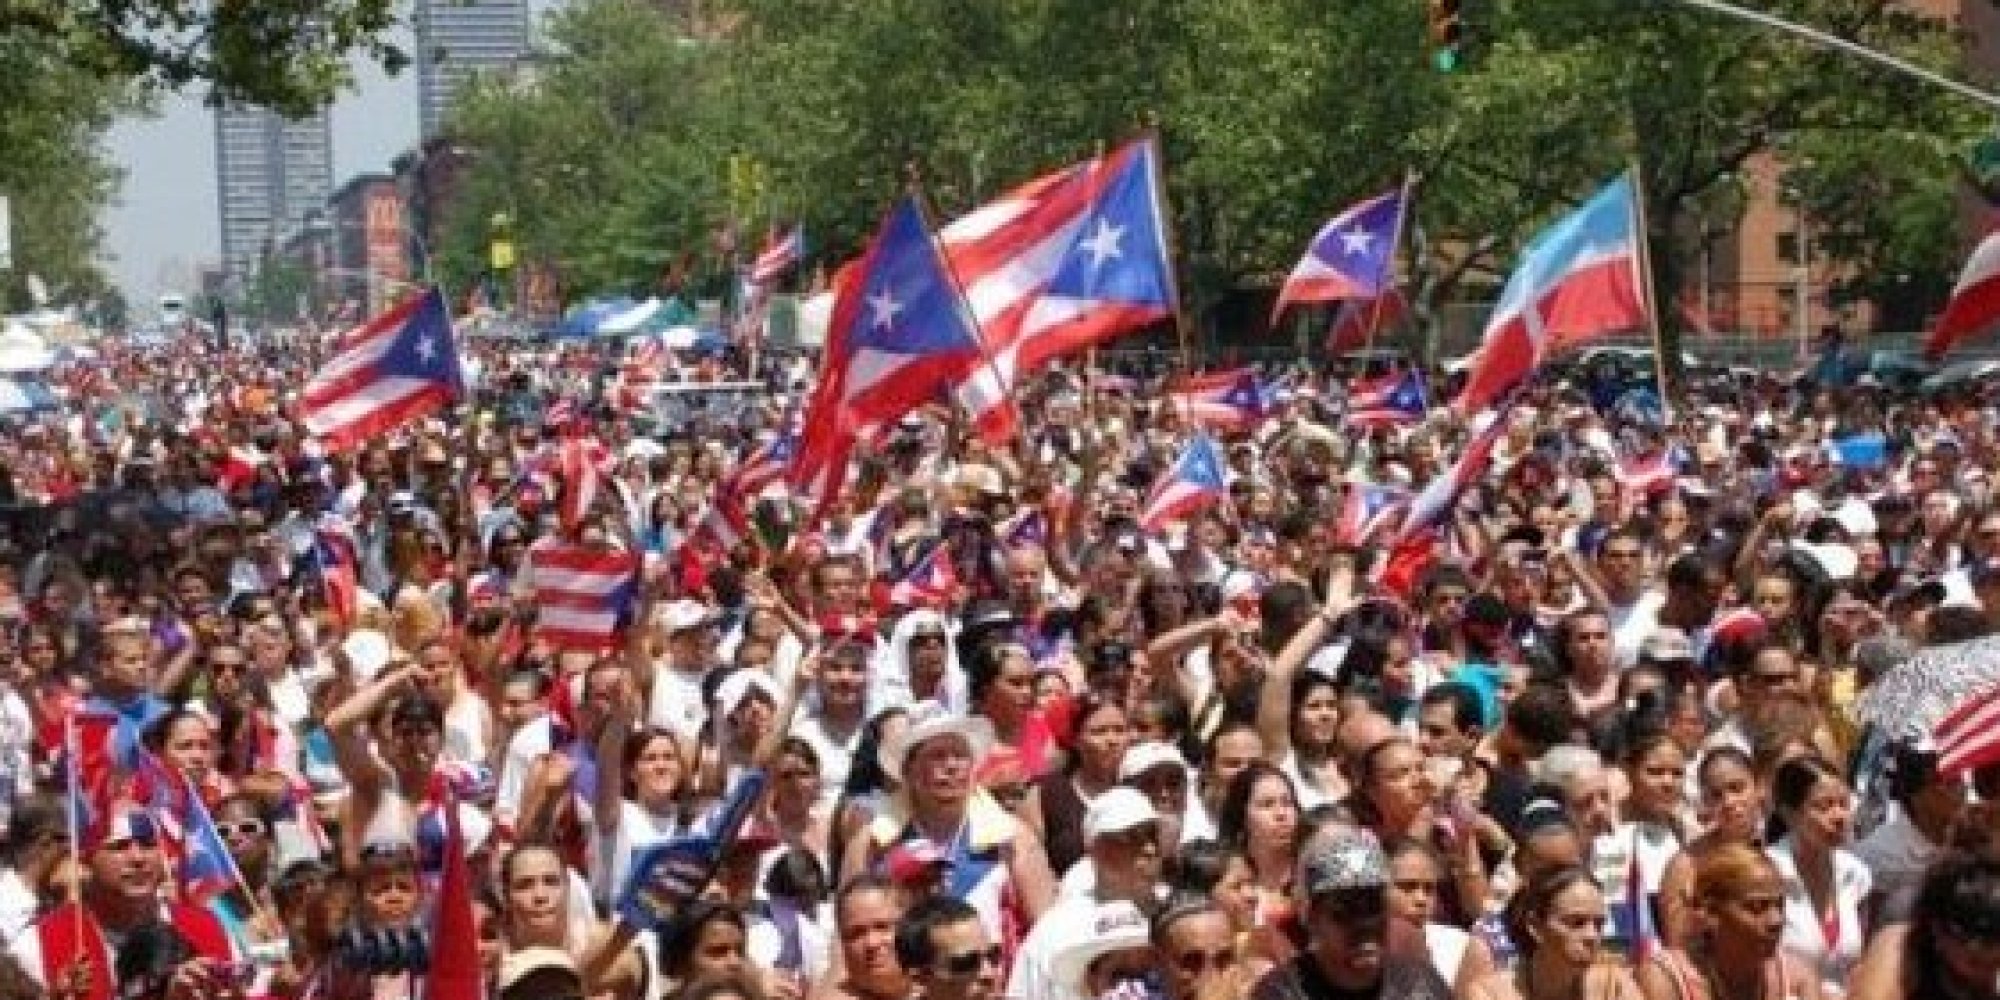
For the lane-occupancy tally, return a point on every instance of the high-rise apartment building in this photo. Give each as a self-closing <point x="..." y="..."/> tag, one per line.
<point x="270" y="171"/>
<point x="457" y="38"/>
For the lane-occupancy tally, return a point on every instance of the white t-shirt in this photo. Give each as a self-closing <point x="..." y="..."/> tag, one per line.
<point x="676" y="704"/>
<point x="1631" y="624"/>
<point x="527" y="746"/>
<point x="1832" y="955"/>
<point x="637" y="830"/>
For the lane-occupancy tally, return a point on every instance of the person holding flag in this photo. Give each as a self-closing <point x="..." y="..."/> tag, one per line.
<point x="115" y="937"/>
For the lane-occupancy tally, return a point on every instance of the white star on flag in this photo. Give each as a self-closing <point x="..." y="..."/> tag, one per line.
<point x="1103" y="243"/>
<point x="1357" y="241"/>
<point x="884" y="308"/>
<point x="426" y="350"/>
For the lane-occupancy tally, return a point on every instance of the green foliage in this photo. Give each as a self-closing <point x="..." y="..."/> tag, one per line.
<point x="53" y="171"/>
<point x="614" y="155"/>
<point x="287" y="54"/>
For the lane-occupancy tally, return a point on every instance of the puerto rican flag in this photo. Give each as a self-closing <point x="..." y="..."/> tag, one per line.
<point x="585" y="464"/>
<point x="781" y="253"/>
<point x="1650" y="473"/>
<point x="1579" y="279"/>
<point x="1357" y="320"/>
<point x="239" y="467"/>
<point x="1433" y="505"/>
<point x="1394" y="400"/>
<point x="1975" y="300"/>
<point x="1232" y="401"/>
<point x="1366" y="510"/>
<point x="398" y="367"/>
<point x="582" y="594"/>
<point x="1969" y="738"/>
<point x="900" y="336"/>
<point x="206" y="868"/>
<point x="931" y="583"/>
<point x="1195" y="481"/>
<point x="1065" y="261"/>
<point x="1352" y="257"/>
<point x="334" y="556"/>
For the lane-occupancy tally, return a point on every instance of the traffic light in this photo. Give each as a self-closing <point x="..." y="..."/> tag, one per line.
<point x="1447" y="32"/>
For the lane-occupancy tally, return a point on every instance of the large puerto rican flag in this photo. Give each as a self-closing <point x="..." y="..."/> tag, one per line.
<point x="396" y="368"/>
<point x="900" y="336"/>
<point x="1579" y="279"/>
<point x="1352" y="257"/>
<point x="1063" y="262"/>
<point x="1975" y="300"/>
<point x="581" y="593"/>
<point x="1195" y="481"/>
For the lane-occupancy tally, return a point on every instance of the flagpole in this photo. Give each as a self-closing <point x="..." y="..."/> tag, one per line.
<point x="1183" y="326"/>
<point x="72" y="750"/>
<point x="1395" y="241"/>
<point x="1644" y="257"/>
<point x="914" y="186"/>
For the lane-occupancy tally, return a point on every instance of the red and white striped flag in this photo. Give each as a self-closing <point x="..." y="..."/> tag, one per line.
<point x="398" y="367"/>
<point x="584" y="464"/>
<point x="1975" y="300"/>
<point x="581" y="594"/>
<point x="1969" y="738"/>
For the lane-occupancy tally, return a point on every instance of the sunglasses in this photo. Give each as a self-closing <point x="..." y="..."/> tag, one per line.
<point x="970" y="963"/>
<point x="1198" y="962"/>
<point x="245" y="828"/>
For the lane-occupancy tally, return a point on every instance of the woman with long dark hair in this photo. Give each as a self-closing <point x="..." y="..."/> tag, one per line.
<point x="1950" y="950"/>
<point x="1056" y="804"/>
<point x="1734" y="802"/>
<point x="1825" y="884"/>
<point x="1556" y="922"/>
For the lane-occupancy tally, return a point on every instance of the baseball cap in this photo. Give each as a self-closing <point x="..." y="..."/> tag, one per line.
<point x="913" y="861"/>
<point x="1143" y="757"/>
<point x="1343" y="859"/>
<point x="1115" y="926"/>
<point x="740" y="684"/>
<point x="1667" y="645"/>
<point x="552" y="970"/>
<point x="682" y="615"/>
<point x="1117" y="811"/>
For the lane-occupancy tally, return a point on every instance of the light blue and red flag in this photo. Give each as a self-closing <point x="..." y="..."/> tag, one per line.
<point x="1196" y="480"/>
<point x="396" y="368"/>
<point x="1351" y="258"/>
<point x="1579" y="279"/>
<point x="1398" y="399"/>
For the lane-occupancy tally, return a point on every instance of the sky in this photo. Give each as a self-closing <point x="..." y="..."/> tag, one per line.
<point x="164" y="225"/>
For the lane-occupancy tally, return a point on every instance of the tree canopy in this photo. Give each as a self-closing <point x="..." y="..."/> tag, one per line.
<point x="614" y="155"/>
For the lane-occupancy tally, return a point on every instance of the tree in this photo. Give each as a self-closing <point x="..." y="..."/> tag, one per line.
<point x="291" y="55"/>
<point x="53" y="171"/>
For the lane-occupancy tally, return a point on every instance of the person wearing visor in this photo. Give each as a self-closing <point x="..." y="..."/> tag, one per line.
<point x="1343" y="880"/>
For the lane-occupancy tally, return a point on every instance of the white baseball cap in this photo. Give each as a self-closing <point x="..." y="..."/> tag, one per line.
<point x="1117" y="811"/>
<point x="1143" y="757"/>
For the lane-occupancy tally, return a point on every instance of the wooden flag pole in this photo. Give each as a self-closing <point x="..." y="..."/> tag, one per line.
<point x="1643" y="255"/>
<point x="1395" y="241"/>
<point x="1183" y="325"/>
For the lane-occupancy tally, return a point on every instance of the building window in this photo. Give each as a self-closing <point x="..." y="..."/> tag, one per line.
<point x="1788" y="247"/>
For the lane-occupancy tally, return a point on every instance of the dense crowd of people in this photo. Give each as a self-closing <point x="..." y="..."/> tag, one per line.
<point x="1597" y="736"/>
